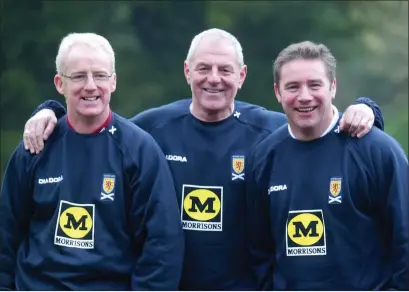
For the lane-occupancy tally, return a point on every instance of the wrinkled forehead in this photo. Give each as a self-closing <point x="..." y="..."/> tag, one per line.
<point x="215" y="51"/>
<point x="303" y="71"/>
<point x="83" y="58"/>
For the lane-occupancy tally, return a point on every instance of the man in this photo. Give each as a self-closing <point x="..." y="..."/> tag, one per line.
<point x="97" y="209"/>
<point x="325" y="211"/>
<point x="206" y="140"/>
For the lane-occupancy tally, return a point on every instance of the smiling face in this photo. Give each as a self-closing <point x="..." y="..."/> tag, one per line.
<point x="305" y="93"/>
<point x="88" y="91"/>
<point x="214" y="75"/>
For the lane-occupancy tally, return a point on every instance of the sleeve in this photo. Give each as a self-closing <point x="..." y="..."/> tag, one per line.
<point x="53" y="105"/>
<point x="15" y="206"/>
<point x="260" y="241"/>
<point x="143" y="120"/>
<point x="379" y="122"/>
<point x="160" y="236"/>
<point x="392" y="177"/>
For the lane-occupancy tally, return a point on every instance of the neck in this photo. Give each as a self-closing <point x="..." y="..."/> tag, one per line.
<point x="308" y="134"/>
<point x="210" y="116"/>
<point x="87" y="125"/>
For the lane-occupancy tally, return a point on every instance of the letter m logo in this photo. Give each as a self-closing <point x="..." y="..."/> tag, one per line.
<point x="72" y="223"/>
<point x="207" y="206"/>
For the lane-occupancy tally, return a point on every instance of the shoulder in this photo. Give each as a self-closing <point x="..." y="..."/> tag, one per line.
<point x="377" y="145"/>
<point x="154" y="117"/>
<point x="263" y="152"/>
<point x="260" y="117"/>
<point x="127" y="132"/>
<point x="134" y="141"/>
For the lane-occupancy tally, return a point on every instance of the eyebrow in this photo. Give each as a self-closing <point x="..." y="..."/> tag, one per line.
<point x="85" y="72"/>
<point x="309" y="81"/>
<point x="209" y="65"/>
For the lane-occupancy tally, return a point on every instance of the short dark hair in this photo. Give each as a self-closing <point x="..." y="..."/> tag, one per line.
<point x="306" y="50"/>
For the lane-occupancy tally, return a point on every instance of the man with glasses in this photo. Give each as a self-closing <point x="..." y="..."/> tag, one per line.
<point x="97" y="209"/>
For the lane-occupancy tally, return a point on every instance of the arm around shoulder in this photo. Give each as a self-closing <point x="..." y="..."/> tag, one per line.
<point x="154" y="203"/>
<point x="379" y="121"/>
<point x="58" y="109"/>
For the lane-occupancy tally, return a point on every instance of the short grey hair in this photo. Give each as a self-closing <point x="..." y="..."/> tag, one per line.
<point x="306" y="50"/>
<point x="89" y="39"/>
<point x="218" y="33"/>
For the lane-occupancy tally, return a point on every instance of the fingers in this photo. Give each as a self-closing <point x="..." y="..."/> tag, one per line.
<point x="37" y="137"/>
<point x="346" y="121"/>
<point x="364" y="127"/>
<point x="50" y="128"/>
<point x="26" y="138"/>
<point x="356" y="125"/>
<point x="33" y="135"/>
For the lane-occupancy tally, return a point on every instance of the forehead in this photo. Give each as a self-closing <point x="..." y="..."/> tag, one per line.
<point x="219" y="51"/>
<point x="303" y="70"/>
<point x="85" y="58"/>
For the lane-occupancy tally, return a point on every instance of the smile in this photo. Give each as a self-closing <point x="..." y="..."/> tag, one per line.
<point x="305" y="109"/>
<point x="213" y="90"/>
<point x="90" y="98"/>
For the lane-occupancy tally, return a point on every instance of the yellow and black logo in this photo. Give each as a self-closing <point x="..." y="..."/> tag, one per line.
<point x="305" y="233"/>
<point x="75" y="225"/>
<point x="202" y="208"/>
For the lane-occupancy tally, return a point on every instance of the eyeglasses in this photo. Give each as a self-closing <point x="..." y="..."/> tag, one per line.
<point x="81" y="77"/>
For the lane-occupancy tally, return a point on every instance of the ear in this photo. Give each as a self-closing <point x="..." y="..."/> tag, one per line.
<point x="186" y="70"/>
<point x="113" y="83"/>
<point x="277" y="92"/>
<point x="59" y="85"/>
<point x="243" y="74"/>
<point x="333" y="88"/>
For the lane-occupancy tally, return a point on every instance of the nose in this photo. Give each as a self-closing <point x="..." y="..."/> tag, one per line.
<point x="90" y="83"/>
<point x="305" y="95"/>
<point x="214" y="76"/>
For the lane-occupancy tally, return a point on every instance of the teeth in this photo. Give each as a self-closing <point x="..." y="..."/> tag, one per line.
<point x="91" y="98"/>
<point x="213" y="90"/>
<point x="305" y="110"/>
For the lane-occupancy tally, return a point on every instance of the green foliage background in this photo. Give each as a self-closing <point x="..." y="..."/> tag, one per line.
<point x="151" y="40"/>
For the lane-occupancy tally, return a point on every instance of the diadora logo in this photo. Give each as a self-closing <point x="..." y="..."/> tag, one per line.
<point x="50" y="180"/>
<point x="108" y="187"/>
<point x="305" y="233"/>
<point x="277" y="188"/>
<point x="202" y="208"/>
<point x="237" y="167"/>
<point x="176" y="158"/>
<point x="75" y="225"/>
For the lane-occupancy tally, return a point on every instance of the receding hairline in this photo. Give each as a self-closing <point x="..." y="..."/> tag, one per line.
<point x="91" y="40"/>
<point x="215" y="34"/>
<point x="218" y="42"/>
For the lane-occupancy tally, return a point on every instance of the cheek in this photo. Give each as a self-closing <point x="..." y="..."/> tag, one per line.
<point x="288" y="100"/>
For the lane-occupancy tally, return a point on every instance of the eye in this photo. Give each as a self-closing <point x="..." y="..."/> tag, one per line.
<point x="78" y="77"/>
<point x="315" y="86"/>
<point x="101" y="76"/>
<point x="292" y="87"/>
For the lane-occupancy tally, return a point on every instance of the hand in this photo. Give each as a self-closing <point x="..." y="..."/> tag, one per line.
<point x="37" y="129"/>
<point x="357" y="120"/>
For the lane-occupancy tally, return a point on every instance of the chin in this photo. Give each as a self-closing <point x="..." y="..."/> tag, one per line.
<point x="90" y="112"/>
<point x="214" y="105"/>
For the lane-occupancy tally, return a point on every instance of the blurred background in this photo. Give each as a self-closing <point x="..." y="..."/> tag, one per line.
<point x="151" y="40"/>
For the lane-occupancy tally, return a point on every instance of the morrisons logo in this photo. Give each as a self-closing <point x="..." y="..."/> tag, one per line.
<point x="75" y="225"/>
<point x="202" y="208"/>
